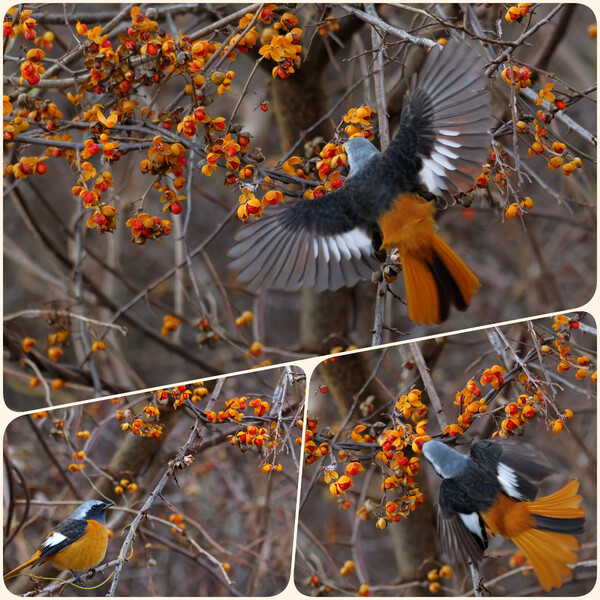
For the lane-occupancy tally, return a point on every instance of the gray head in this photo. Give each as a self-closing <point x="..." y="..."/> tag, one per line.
<point x="446" y="461"/>
<point x="359" y="151"/>
<point x="92" y="510"/>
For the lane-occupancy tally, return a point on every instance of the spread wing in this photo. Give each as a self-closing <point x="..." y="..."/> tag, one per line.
<point x="313" y="243"/>
<point x="446" y="118"/>
<point x="462" y="535"/>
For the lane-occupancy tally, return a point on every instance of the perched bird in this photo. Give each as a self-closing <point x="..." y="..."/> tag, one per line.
<point x="333" y="241"/>
<point x="493" y="491"/>
<point x="77" y="544"/>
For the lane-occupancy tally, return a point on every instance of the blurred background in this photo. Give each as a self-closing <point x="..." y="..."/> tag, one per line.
<point x="55" y="267"/>
<point x="355" y="396"/>
<point x="222" y="523"/>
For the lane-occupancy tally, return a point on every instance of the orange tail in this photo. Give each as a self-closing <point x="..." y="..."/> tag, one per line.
<point x="435" y="276"/>
<point x="435" y="280"/>
<point x="550" y="546"/>
<point x="30" y="562"/>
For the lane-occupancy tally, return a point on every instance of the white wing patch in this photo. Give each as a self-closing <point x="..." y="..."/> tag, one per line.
<point x="509" y="482"/>
<point x="356" y="240"/>
<point x="448" y="132"/>
<point x="432" y="176"/>
<point x="471" y="522"/>
<point x="53" y="539"/>
<point x="441" y="149"/>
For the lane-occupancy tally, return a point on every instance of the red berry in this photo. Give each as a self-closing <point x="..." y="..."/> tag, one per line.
<point x="7" y="30"/>
<point x="25" y="168"/>
<point x="103" y="186"/>
<point x="574" y="324"/>
<point x="151" y="49"/>
<point x="264" y="107"/>
<point x="41" y="168"/>
<point x="481" y="182"/>
<point x="182" y="160"/>
<point x="33" y="79"/>
<point x="93" y="149"/>
<point x="175" y="208"/>
<point x="243" y="140"/>
<point x="199" y="114"/>
<point x="560" y="104"/>
<point x="29" y="35"/>
<point x="351" y="471"/>
<point x="29" y="70"/>
<point x="166" y="125"/>
<point x="125" y="87"/>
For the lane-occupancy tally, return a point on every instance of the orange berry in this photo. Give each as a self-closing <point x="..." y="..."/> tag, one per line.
<point x="28" y="343"/>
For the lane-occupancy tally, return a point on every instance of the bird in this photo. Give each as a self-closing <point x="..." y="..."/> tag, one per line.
<point x="341" y="237"/>
<point x="493" y="490"/>
<point x="76" y="544"/>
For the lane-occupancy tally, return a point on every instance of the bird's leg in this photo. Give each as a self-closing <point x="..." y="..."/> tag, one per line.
<point x="78" y="579"/>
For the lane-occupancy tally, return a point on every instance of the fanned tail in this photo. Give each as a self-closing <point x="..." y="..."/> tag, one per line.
<point x="549" y="554"/>
<point x="551" y="547"/>
<point x="435" y="281"/>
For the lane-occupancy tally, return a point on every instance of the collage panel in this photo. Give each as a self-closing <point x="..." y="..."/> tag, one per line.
<point x="197" y="189"/>
<point x="185" y="491"/>
<point x="457" y="466"/>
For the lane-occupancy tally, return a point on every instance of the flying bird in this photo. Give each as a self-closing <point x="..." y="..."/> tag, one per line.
<point x="492" y="491"/>
<point x="336" y="240"/>
<point x="77" y="544"/>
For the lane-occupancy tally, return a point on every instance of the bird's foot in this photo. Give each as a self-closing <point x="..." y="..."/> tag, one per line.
<point x="78" y="579"/>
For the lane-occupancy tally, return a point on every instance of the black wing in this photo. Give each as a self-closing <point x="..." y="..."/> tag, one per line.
<point x="517" y="465"/>
<point x="462" y="534"/>
<point x="319" y="243"/>
<point x="445" y="120"/>
<point x="65" y="533"/>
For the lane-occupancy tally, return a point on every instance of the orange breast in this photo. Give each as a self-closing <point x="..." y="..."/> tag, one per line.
<point x="86" y="552"/>
<point x="508" y="517"/>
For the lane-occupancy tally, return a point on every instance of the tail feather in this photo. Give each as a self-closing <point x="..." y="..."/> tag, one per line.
<point x="563" y="504"/>
<point x="32" y="561"/>
<point x="435" y="282"/>
<point x="466" y="281"/>
<point x="422" y="296"/>
<point x="550" y="546"/>
<point x="549" y="554"/>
